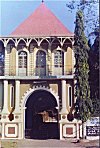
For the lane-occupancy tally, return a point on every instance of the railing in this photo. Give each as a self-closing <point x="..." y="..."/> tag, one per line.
<point x="38" y="71"/>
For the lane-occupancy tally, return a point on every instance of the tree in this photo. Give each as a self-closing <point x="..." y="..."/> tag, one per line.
<point x="82" y="88"/>
<point x="90" y="11"/>
<point x="94" y="75"/>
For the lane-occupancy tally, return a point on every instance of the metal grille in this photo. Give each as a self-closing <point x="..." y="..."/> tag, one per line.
<point x="22" y="59"/>
<point x="58" y="58"/>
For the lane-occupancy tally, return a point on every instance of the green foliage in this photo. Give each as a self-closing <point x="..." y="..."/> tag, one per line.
<point x="94" y="76"/>
<point x="82" y="87"/>
<point x="90" y="9"/>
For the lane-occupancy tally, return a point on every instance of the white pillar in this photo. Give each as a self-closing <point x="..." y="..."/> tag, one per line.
<point x="61" y="132"/>
<point x="17" y="96"/>
<point x="77" y="126"/>
<point x="52" y="64"/>
<point x="20" y="131"/>
<point x="65" y="68"/>
<point x="17" y="73"/>
<point x="3" y="130"/>
<point x="84" y="130"/>
<point x="5" y="107"/>
<point x="64" y="97"/>
<point x="28" y="63"/>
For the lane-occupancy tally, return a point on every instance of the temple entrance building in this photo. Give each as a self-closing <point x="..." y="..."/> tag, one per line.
<point x="37" y="79"/>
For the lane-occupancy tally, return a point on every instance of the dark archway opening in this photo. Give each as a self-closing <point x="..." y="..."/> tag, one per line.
<point x="41" y="116"/>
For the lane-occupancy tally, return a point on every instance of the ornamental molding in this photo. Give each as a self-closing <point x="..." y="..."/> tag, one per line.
<point x="31" y="90"/>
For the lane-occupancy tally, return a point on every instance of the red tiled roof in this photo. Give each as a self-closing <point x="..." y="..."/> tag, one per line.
<point x="42" y="22"/>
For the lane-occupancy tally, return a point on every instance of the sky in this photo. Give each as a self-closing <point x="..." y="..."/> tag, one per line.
<point x="13" y="12"/>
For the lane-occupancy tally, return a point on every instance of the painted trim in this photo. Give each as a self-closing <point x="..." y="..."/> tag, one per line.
<point x="69" y="126"/>
<point x="11" y="135"/>
<point x="31" y="90"/>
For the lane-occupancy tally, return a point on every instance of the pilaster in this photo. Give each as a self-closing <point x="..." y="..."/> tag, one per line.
<point x="5" y="107"/>
<point x="17" y="96"/>
<point x="64" y="98"/>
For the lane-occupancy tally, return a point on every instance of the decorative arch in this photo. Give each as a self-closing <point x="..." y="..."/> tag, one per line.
<point x="67" y="43"/>
<point x="54" y="39"/>
<point x="10" y="44"/>
<point x="32" y="44"/>
<point x="41" y="50"/>
<point x="44" y="39"/>
<point x="25" y="98"/>
<point x="55" y="44"/>
<point x="21" y="41"/>
<point x="31" y="90"/>
<point x="44" y="44"/>
<point x="10" y="40"/>
<point x="33" y="40"/>
<point x="67" y="38"/>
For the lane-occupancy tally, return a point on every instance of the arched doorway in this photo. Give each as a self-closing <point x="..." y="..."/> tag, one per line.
<point x="41" y="116"/>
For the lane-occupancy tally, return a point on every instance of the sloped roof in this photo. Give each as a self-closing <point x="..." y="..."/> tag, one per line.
<point x="42" y="22"/>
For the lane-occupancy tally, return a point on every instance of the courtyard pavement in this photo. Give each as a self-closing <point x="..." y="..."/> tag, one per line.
<point x="30" y="143"/>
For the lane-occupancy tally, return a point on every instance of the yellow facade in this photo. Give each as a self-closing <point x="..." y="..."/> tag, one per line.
<point x="36" y="70"/>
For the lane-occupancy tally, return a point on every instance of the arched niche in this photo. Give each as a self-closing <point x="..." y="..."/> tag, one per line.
<point x="55" y="44"/>
<point x="67" y="43"/>
<point x="33" y="44"/>
<point x="10" y="45"/>
<point x="44" y="44"/>
<point x="21" y="44"/>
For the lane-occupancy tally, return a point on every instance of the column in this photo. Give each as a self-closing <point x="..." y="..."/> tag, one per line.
<point x="61" y="132"/>
<point x="64" y="97"/>
<point x="28" y="62"/>
<point x="5" y="107"/>
<point x="32" y="71"/>
<point x="20" y="131"/>
<point x="65" y="67"/>
<point x="3" y="130"/>
<point x="17" y="96"/>
<point x="77" y="126"/>
<point x="52" y="66"/>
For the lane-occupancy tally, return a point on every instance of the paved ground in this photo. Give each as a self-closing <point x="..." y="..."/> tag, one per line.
<point x="29" y="143"/>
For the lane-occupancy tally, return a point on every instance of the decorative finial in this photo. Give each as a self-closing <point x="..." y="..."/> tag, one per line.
<point x="42" y="1"/>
